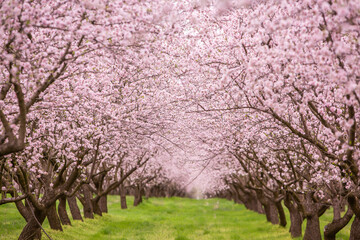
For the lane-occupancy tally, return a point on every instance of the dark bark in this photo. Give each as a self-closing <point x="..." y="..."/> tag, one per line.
<point x="355" y="229"/>
<point x="271" y="212"/>
<point x="251" y="205"/>
<point x="103" y="204"/>
<point x="251" y="201"/>
<point x="32" y="229"/>
<point x="74" y="208"/>
<point x="86" y="202"/>
<point x="147" y="193"/>
<point x="235" y="194"/>
<point x="123" y="202"/>
<point x="343" y="206"/>
<point x="123" y="197"/>
<point x="137" y="196"/>
<point x="281" y="212"/>
<point x="296" y="224"/>
<point x="53" y="218"/>
<point x="227" y="195"/>
<point x="258" y="206"/>
<point x="97" y="202"/>
<point x="96" y="206"/>
<point x="336" y="209"/>
<point x="312" y="211"/>
<point x="296" y="219"/>
<point x="141" y="198"/>
<point x="137" y="200"/>
<point x="24" y="211"/>
<point x="312" y="231"/>
<point x="353" y="202"/>
<point x="337" y="224"/>
<point x="64" y="218"/>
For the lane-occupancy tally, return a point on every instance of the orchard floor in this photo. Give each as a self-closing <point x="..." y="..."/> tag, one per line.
<point x="164" y="219"/>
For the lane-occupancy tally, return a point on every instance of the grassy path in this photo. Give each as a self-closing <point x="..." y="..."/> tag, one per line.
<point x="161" y="219"/>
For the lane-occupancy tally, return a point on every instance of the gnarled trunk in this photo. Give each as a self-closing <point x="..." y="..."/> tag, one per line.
<point x="336" y="205"/>
<point x="337" y="224"/>
<point x="86" y="202"/>
<point x="74" y="208"/>
<point x="355" y="229"/>
<point x="296" y="224"/>
<point x="312" y="231"/>
<point x="235" y="194"/>
<point x="25" y="212"/>
<point x="281" y="212"/>
<point x="32" y="229"/>
<point x="96" y="206"/>
<point x="353" y="202"/>
<point x="296" y="219"/>
<point x="271" y="212"/>
<point x="252" y="203"/>
<point x="103" y="204"/>
<point x="64" y="218"/>
<point x="313" y="210"/>
<point x="137" y="200"/>
<point x="53" y="218"/>
<point x="258" y="206"/>
<point x="137" y="196"/>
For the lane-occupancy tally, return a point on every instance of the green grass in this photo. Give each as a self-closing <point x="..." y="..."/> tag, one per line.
<point x="164" y="219"/>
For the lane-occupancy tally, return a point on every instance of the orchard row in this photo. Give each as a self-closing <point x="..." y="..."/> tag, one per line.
<point x="253" y="100"/>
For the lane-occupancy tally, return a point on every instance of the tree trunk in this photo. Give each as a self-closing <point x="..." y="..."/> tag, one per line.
<point x="88" y="207"/>
<point x="235" y="197"/>
<point x="137" y="196"/>
<point x="123" y="197"/>
<point x="53" y="218"/>
<point x="248" y="204"/>
<point x="64" y="218"/>
<point x="147" y="193"/>
<point x="32" y="229"/>
<point x="136" y="200"/>
<point x="281" y="212"/>
<point x="312" y="213"/>
<point x="355" y="229"/>
<point x="337" y="224"/>
<point x="252" y="203"/>
<point x="259" y="207"/>
<point x="96" y="206"/>
<point x="312" y="230"/>
<point x="336" y="209"/>
<point x="235" y="194"/>
<point x="343" y="206"/>
<point x="296" y="224"/>
<point x="259" y="198"/>
<point x="74" y="208"/>
<point x="271" y="213"/>
<point x="103" y="204"/>
<point x="123" y="202"/>
<point x="23" y="210"/>
<point x="295" y="218"/>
